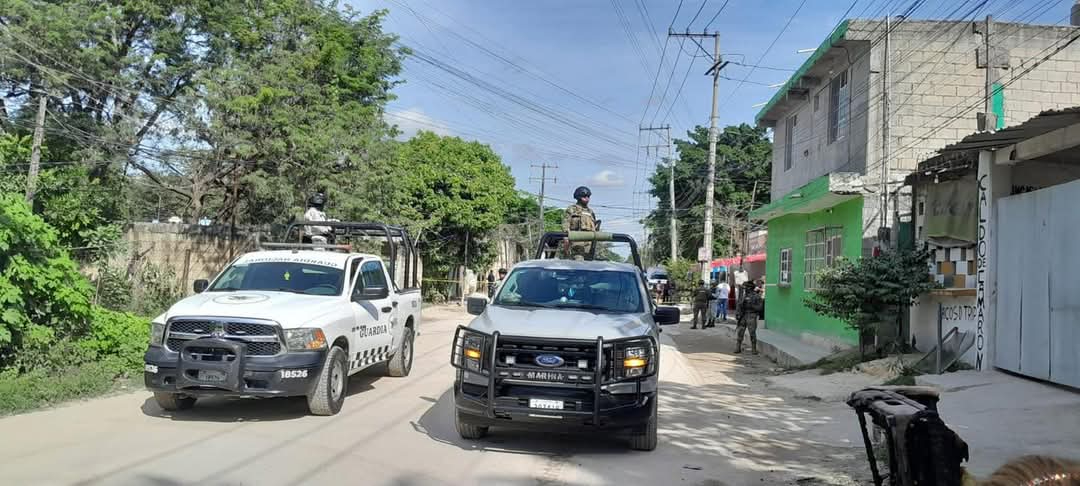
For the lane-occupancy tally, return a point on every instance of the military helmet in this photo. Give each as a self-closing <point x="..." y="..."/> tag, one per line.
<point x="581" y="192"/>
<point x="318" y="199"/>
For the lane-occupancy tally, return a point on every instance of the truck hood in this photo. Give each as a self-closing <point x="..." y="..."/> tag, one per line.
<point x="560" y="323"/>
<point x="287" y="308"/>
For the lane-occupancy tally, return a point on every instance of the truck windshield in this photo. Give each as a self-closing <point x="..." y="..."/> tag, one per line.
<point x="613" y="291"/>
<point x="299" y="278"/>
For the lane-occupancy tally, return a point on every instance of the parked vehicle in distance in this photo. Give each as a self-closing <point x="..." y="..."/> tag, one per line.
<point x="564" y="345"/>
<point x="291" y="319"/>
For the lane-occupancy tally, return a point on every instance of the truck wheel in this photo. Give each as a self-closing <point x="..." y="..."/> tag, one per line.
<point x="332" y="386"/>
<point x="646" y="441"/>
<point x="401" y="362"/>
<point x="469" y="431"/>
<point x="174" y="401"/>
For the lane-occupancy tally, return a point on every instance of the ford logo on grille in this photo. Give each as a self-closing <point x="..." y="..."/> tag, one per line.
<point x="549" y="360"/>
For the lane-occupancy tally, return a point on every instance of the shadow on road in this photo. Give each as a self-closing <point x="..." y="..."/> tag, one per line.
<point x="438" y="424"/>
<point x="223" y="409"/>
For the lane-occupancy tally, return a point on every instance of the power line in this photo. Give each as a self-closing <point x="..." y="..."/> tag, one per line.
<point x="767" y="50"/>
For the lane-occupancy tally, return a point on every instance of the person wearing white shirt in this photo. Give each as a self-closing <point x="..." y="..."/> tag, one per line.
<point x="317" y="234"/>
<point x="722" y="291"/>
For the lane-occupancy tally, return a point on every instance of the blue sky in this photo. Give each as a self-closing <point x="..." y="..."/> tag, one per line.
<point x="567" y="82"/>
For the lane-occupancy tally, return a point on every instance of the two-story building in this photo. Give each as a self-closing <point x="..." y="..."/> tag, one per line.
<point x="858" y="116"/>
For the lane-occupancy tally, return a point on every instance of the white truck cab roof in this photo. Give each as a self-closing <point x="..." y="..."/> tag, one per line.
<point x="313" y="257"/>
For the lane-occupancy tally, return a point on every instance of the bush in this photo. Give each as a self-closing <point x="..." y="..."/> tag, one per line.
<point x="38" y="388"/>
<point x="42" y="293"/>
<point x="118" y="338"/>
<point x="148" y="292"/>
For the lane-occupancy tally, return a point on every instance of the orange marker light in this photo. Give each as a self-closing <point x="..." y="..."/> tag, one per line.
<point x="634" y="362"/>
<point x="472" y="353"/>
<point x="318" y="340"/>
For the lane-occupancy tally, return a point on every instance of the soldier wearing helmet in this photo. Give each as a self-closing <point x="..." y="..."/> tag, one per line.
<point x="317" y="234"/>
<point x="578" y="217"/>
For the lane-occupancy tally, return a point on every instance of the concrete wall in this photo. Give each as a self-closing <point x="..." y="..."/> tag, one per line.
<point x="959" y="312"/>
<point x="813" y="154"/>
<point x="197" y="251"/>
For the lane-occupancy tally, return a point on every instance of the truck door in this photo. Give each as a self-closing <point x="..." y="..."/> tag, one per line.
<point x="374" y="310"/>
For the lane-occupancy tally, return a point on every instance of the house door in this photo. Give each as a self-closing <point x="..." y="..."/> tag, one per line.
<point x="1038" y="281"/>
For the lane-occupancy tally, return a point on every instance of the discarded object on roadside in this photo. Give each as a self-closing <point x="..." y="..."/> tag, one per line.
<point x="919" y="447"/>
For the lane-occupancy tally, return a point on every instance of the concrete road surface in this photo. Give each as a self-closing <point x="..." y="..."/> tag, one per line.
<point x="391" y="431"/>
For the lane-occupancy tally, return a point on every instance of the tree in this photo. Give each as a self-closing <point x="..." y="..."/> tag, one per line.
<point x="450" y="193"/>
<point x="744" y="157"/>
<point x="869" y="292"/>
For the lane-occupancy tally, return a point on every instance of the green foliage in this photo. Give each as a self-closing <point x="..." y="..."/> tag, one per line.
<point x="870" y="291"/>
<point x="449" y="193"/>
<point x="41" y="291"/>
<point x="147" y="290"/>
<point x="39" y="388"/>
<point x="744" y="157"/>
<point x="117" y="337"/>
<point x="680" y="271"/>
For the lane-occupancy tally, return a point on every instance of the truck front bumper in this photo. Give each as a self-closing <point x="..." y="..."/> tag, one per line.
<point x="217" y="367"/>
<point x="629" y="412"/>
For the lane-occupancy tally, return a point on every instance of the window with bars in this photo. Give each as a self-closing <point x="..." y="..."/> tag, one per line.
<point x="785" y="266"/>
<point x="823" y="247"/>
<point x="838" y="107"/>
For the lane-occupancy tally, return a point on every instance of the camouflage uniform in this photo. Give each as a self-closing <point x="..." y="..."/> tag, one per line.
<point x="751" y="306"/>
<point x="579" y="218"/>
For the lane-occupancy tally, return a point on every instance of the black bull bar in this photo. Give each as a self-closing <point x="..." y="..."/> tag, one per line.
<point x="489" y="369"/>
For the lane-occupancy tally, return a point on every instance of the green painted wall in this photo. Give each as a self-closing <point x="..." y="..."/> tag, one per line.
<point x="785" y="311"/>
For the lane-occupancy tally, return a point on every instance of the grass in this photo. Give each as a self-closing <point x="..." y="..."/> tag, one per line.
<point x="38" y="389"/>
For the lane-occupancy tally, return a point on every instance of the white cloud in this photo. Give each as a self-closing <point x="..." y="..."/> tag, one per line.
<point x="606" y="178"/>
<point x="413" y="120"/>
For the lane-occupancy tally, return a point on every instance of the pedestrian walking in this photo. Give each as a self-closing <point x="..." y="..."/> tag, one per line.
<point x="702" y="296"/>
<point x="491" y="283"/>
<point x="723" y="290"/>
<point x="750" y="307"/>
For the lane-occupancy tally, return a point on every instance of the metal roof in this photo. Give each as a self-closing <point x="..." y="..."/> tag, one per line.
<point x="1042" y="123"/>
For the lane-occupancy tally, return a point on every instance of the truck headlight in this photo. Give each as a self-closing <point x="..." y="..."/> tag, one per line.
<point x="305" y="339"/>
<point x="637" y="359"/>
<point x="470" y="350"/>
<point x="157" y="333"/>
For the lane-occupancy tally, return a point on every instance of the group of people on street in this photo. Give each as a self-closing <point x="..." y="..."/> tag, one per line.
<point x="711" y="303"/>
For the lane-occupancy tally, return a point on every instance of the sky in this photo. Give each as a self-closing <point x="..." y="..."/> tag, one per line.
<point x="569" y="82"/>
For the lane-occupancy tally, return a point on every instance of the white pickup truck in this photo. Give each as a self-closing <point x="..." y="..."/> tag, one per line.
<point x="293" y="319"/>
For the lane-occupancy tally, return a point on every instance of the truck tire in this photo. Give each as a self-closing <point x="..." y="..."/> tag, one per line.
<point x="469" y="431"/>
<point x="400" y="363"/>
<point x="332" y="386"/>
<point x="173" y="401"/>
<point x="646" y="441"/>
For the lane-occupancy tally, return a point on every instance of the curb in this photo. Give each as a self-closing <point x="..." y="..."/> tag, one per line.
<point x="769" y="350"/>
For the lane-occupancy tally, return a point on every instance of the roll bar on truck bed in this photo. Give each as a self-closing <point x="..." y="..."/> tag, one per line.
<point x="351" y="231"/>
<point x="551" y="242"/>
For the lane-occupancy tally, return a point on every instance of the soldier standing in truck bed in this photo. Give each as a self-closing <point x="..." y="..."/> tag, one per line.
<point x="579" y="217"/>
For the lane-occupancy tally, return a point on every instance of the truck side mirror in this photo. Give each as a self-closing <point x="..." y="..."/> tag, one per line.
<point x="374" y="293"/>
<point x="476" y="305"/>
<point x="200" y="285"/>
<point x="666" y="315"/>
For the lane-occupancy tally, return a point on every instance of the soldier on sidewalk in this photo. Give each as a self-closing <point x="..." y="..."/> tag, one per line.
<point x="750" y="307"/>
<point x="579" y="217"/>
<point x="702" y="296"/>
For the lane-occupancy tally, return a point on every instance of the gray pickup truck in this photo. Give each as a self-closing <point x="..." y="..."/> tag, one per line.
<point x="564" y="345"/>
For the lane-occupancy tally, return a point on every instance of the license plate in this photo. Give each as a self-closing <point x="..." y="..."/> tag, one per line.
<point x="545" y="404"/>
<point x="545" y="376"/>
<point x="211" y="375"/>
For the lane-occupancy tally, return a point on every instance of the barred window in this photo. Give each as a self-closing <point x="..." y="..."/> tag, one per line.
<point x="823" y="247"/>
<point x="785" y="266"/>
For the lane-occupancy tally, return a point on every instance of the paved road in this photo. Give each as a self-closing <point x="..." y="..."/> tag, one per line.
<point x="391" y="431"/>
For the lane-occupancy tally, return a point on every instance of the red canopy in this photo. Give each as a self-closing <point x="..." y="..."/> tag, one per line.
<point x="734" y="261"/>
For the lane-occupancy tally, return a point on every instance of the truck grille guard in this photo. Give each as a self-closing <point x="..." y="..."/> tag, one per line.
<point x="606" y="370"/>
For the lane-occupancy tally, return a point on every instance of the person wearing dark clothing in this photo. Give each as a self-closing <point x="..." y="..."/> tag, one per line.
<point x="750" y="308"/>
<point x="491" y="284"/>
<point x="702" y="297"/>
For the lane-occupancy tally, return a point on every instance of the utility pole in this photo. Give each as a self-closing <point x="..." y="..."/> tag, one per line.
<point x="543" y="183"/>
<point x="885" y="132"/>
<point x="717" y="65"/>
<point x="674" y="237"/>
<point x="35" y="150"/>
